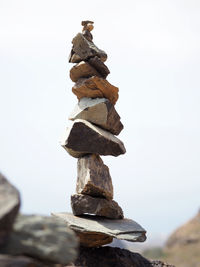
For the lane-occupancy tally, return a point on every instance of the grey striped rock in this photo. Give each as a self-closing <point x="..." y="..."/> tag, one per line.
<point x="9" y="207"/>
<point x="94" y="226"/>
<point x="85" y="138"/>
<point x="93" y="177"/>
<point x="85" y="204"/>
<point x="100" y="112"/>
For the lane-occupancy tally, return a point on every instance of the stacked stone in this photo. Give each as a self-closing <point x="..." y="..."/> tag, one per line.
<point x="93" y="133"/>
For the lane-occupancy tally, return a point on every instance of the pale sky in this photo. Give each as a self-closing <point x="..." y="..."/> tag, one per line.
<point x="153" y="52"/>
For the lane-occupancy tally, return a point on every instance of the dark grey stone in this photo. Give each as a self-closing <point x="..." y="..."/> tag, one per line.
<point x="85" y="204"/>
<point x="84" y="138"/>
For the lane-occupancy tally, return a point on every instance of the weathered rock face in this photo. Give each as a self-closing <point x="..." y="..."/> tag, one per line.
<point x="99" y="66"/>
<point x="20" y="261"/>
<point x="95" y="87"/>
<point x="43" y="238"/>
<point x="109" y="256"/>
<point x="100" y="112"/>
<point x="86" y="49"/>
<point x="9" y="206"/>
<point x="85" y="204"/>
<point x="93" y="177"/>
<point x="84" y="138"/>
<point x="82" y="70"/>
<point x="124" y="229"/>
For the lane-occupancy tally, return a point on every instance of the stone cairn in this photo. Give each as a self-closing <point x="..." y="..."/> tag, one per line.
<point x="96" y="218"/>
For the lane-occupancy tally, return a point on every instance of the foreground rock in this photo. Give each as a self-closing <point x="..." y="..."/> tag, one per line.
<point x="86" y="49"/>
<point x="96" y="87"/>
<point x="109" y="256"/>
<point x="82" y="70"/>
<point x="9" y="206"/>
<point x="44" y="238"/>
<point x="125" y="229"/>
<point x="85" y="204"/>
<point x="93" y="177"/>
<point x="100" y="112"/>
<point x="84" y="138"/>
<point x="21" y="261"/>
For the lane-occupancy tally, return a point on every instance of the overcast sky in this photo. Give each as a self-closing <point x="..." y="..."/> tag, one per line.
<point x="153" y="52"/>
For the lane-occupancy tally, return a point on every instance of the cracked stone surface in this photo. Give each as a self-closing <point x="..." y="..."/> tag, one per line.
<point x="93" y="177"/>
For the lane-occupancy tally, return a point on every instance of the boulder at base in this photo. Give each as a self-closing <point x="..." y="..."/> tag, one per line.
<point x="109" y="256"/>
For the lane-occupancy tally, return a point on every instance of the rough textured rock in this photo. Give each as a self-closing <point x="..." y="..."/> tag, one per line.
<point x="85" y="204"/>
<point x="99" y="66"/>
<point x="84" y="138"/>
<point x="86" y="49"/>
<point x="124" y="229"/>
<point x="20" y="261"/>
<point x="82" y="70"/>
<point x="92" y="240"/>
<point x="100" y="112"/>
<point x="9" y="206"/>
<point x="116" y="257"/>
<point x="93" y="177"/>
<point x="95" y="87"/>
<point x="183" y="246"/>
<point x="44" y="238"/>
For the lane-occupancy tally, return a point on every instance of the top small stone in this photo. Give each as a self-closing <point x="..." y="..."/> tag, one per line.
<point x="87" y="25"/>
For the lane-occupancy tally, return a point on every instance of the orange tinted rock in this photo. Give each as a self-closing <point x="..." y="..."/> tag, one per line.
<point x="96" y="87"/>
<point x="82" y="70"/>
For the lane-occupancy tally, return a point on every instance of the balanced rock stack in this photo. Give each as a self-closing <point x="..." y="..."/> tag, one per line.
<point x="96" y="218"/>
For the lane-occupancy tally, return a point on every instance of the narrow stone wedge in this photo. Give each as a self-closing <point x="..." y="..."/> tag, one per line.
<point x="84" y="138"/>
<point x="100" y="112"/>
<point x="83" y="70"/>
<point x="95" y="87"/>
<point x="84" y="204"/>
<point x="94" y="177"/>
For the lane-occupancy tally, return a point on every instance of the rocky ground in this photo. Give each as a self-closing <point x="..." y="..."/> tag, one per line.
<point x="183" y="246"/>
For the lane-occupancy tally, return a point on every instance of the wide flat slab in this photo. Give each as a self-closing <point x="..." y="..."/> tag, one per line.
<point x="124" y="229"/>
